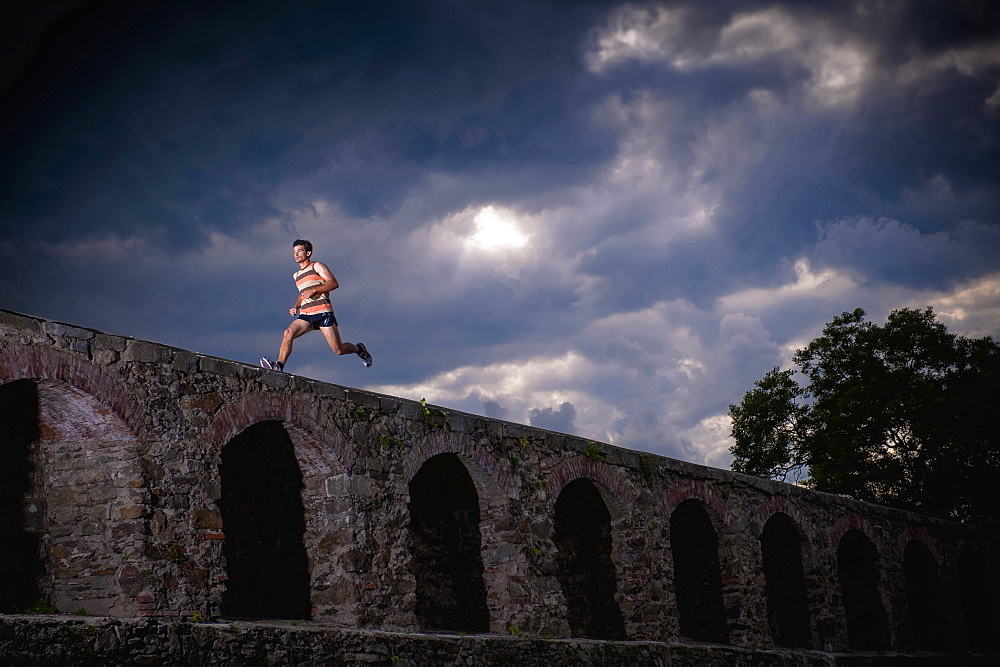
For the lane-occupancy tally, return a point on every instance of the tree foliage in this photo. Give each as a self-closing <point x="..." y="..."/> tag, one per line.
<point x="902" y="415"/>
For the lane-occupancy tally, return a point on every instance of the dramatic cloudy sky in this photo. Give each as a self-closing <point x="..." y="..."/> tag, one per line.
<point x="601" y="218"/>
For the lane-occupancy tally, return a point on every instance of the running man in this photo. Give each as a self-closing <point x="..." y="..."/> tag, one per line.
<point x="315" y="282"/>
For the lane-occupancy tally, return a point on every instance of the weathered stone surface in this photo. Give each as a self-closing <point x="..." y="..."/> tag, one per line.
<point x="69" y="640"/>
<point x="185" y="362"/>
<point x="61" y="330"/>
<point x="208" y="403"/>
<point x="16" y="321"/>
<point x="151" y="353"/>
<point x="218" y="366"/>
<point x="130" y="477"/>
<point x="105" y="341"/>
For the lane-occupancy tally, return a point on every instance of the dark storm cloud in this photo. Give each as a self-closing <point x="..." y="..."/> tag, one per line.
<point x="694" y="189"/>
<point x="198" y="115"/>
<point x="877" y="160"/>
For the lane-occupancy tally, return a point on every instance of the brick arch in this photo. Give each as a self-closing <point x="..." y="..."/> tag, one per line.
<point x="922" y="535"/>
<point x="688" y="489"/>
<point x="780" y="504"/>
<point x="31" y="362"/>
<point x="253" y="407"/>
<point x="611" y="486"/>
<point x="703" y="566"/>
<point x="492" y="481"/>
<point x="853" y="522"/>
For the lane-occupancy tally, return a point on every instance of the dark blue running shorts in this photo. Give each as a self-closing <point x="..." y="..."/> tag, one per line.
<point x="320" y="320"/>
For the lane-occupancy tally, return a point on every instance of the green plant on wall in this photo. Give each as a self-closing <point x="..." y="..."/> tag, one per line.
<point x="592" y="452"/>
<point x="41" y="606"/>
<point x="176" y="555"/>
<point x="434" y="417"/>
<point x="388" y="441"/>
<point x="359" y="413"/>
<point x="646" y="470"/>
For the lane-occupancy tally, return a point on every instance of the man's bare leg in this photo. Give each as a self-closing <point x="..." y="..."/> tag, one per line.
<point x="295" y="329"/>
<point x="332" y="335"/>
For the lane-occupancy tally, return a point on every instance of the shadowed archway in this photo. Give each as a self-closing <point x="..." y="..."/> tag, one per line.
<point x="19" y="560"/>
<point x="264" y="522"/>
<point x="923" y="596"/>
<point x="447" y="563"/>
<point x="586" y="572"/>
<point x="697" y="575"/>
<point x="785" y="586"/>
<point x="857" y="571"/>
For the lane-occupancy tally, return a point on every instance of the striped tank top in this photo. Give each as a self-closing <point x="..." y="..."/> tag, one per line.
<point x="305" y="279"/>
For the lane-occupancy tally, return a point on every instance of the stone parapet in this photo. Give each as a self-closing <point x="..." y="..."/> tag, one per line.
<point x="67" y="640"/>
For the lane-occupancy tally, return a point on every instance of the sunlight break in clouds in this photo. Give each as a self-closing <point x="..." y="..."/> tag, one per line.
<point x="495" y="230"/>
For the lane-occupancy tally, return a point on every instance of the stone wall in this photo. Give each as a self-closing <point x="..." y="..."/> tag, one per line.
<point x="98" y="642"/>
<point x="139" y="497"/>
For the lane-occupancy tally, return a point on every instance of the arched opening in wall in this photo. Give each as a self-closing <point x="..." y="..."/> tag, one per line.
<point x="857" y="571"/>
<point x="923" y="596"/>
<point x="264" y="522"/>
<point x="19" y="560"/>
<point x="88" y="498"/>
<point x="978" y="605"/>
<point x="447" y="562"/>
<point x="784" y="582"/>
<point x="697" y="576"/>
<point x="586" y="571"/>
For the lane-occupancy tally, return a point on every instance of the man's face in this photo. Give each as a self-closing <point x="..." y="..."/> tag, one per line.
<point x="300" y="254"/>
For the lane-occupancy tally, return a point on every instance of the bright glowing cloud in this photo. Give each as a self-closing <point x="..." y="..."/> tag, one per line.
<point x="496" y="229"/>
<point x="710" y="440"/>
<point x="636" y="32"/>
<point x="752" y="36"/>
<point x="972" y="308"/>
<point x="829" y="283"/>
<point x="520" y="387"/>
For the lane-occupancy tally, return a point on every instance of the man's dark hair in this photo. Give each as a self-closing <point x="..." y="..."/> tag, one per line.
<point x="305" y="244"/>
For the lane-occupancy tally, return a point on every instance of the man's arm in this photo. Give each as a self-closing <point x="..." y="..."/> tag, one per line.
<point x="330" y="283"/>
<point x="294" y="309"/>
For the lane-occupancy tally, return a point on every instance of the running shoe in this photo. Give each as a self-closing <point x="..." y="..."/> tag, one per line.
<point x="366" y="358"/>
<point x="272" y="365"/>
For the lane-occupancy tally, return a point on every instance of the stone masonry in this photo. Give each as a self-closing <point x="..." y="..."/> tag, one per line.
<point x="153" y="482"/>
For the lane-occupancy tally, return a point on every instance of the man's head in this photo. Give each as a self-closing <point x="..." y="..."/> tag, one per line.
<point x="302" y="250"/>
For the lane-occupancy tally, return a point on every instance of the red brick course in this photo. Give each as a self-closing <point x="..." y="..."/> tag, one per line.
<point x="36" y="363"/>
<point x="602" y="473"/>
<point x="257" y="406"/>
